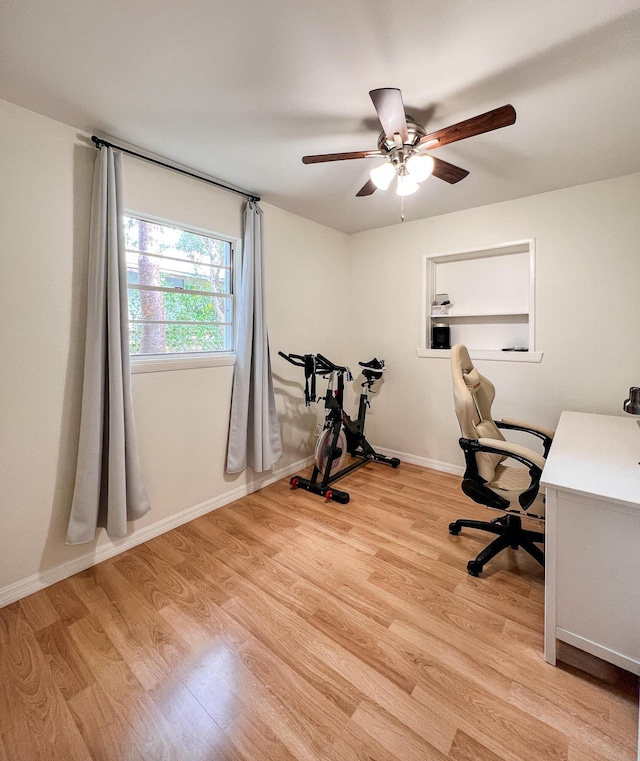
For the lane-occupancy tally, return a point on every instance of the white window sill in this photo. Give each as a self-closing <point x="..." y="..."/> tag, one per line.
<point x="492" y="354"/>
<point x="159" y="364"/>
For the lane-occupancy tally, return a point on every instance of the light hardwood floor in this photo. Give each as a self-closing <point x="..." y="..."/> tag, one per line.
<point x="281" y="627"/>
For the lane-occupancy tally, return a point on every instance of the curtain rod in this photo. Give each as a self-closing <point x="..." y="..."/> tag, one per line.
<point x="99" y="141"/>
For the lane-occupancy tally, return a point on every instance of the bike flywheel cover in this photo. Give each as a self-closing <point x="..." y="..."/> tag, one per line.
<point x="323" y="446"/>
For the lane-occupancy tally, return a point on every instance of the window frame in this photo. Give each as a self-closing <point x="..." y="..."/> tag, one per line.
<point x="152" y="363"/>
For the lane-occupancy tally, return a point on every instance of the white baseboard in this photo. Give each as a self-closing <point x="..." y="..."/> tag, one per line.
<point x="38" y="581"/>
<point x="424" y="462"/>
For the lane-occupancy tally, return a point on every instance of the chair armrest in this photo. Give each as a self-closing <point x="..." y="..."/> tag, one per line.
<point x="527" y="427"/>
<point x="532" y="460"/>
<point x="508" y="449"/>
<point x="536" y="430"/>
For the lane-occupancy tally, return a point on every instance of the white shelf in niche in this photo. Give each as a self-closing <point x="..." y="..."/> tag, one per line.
<point x="493" y="297"/>
<point x="489" y="354"/>
<point x="477" y="315"/>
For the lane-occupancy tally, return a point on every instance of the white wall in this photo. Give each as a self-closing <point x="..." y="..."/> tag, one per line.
<point x="44" y="198"/>
<point x="587" y="312"/>
<point x="182" y="416"/>
<point x="308" y="307"/>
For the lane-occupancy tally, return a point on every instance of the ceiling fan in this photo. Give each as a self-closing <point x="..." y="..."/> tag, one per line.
<point x="405" y="145"/>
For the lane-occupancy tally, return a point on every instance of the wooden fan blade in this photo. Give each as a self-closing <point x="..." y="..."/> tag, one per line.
<point x="477" y="125"/>
<point x="339" y="156"/>
<point x="450" y="173"/>
<point x="390" y="109"/>
<point x="367" y="189"/>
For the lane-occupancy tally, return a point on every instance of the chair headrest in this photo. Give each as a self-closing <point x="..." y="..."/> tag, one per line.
<point x="472" y="392"/>
<point x="471" y="379"/>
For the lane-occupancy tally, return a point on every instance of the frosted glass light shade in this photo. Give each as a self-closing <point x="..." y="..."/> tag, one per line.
<point x="382" y="175"/>
<point x="406" y="185"/>
<point x="419" y="167"/>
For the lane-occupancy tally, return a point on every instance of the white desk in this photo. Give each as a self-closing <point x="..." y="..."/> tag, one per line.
<point x="592" y="544"/>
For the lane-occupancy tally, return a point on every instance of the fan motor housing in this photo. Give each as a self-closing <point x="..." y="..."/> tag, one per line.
<point x="416" y="133"/>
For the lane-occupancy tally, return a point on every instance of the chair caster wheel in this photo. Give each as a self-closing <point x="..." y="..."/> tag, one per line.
<point x="454" y="529"/>
<point x="474" y="568"/>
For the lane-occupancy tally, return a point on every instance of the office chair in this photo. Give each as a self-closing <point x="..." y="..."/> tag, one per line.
<point x="513" y="490"/>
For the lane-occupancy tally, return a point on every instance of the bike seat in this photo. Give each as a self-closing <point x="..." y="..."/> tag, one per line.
<point x="373" y="364"/>
<point x="373" y="369"/>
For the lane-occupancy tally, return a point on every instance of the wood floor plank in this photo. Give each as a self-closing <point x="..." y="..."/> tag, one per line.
<point x="370" y="645"/>
<point x="103" y="729"/>
<point x="519" y="666"/>
<point x="102" y="657"/>
<point x="256" y="741"/>
<point x="10" y="704"/>
<point x="31" y="739"/>
<point x="491" y="721"/>
<point x="194" y="545"/>
<point x="153" y="577"/>
<point x="465" y="748"/>
<point x="435" y="728"/>
<point x="173" y="547"/>
<point x="138" y="717"/>
<point x="512" y="606"/>
<point x="282" y="627"/>
<point x="66" y="664"/>
<point x="5" y="742"/>
<point x="336" y="551"/>
<point x="394" y="735"/>
<point x="574" y="727"/>
<point x="39" y="710"/>
<point x="212" y="680"/>
<point x="39" y="610"/>
<point x="149" y="648"/>
<point x="278" y="629"/>
<point x="579" y="751"/>
<point x="67" y="605"/>
<point x="317" y="721"/>
<point x="444" y="655"/>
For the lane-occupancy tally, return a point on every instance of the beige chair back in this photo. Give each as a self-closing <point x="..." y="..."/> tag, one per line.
<point x="473" y="395"/>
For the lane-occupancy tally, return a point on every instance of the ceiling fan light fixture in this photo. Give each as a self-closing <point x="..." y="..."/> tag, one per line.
<point x="402" y="138"/>
<point x="419" y="167"/>
<point x="382" y="175"/>
<point x="406" y="185"/>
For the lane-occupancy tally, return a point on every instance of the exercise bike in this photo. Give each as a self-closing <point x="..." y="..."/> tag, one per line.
<point x="340" y="434"/>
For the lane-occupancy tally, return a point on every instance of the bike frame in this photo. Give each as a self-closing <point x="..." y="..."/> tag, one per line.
<point x="337" y="420"/>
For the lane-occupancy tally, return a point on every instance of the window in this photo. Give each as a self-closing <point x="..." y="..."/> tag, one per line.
<point x="180" y="285"/>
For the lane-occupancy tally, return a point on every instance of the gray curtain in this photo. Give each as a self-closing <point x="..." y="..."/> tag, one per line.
<point x="109" y="490"/>
<point x="254" y="431"/>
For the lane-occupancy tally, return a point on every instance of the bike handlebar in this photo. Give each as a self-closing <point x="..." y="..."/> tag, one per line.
<point x="321" y="366"/>
<point x="330" y="366"/>
<point x="295" y="359"/>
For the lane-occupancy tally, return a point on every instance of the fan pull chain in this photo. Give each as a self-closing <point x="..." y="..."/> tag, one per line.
<point x="402" y="208"/>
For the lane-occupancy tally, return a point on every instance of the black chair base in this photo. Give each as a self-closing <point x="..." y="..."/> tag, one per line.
<point x="510" y="534"/>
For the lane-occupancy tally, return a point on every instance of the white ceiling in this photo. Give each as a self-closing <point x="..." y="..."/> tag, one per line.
<point x="243" y="89"/>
